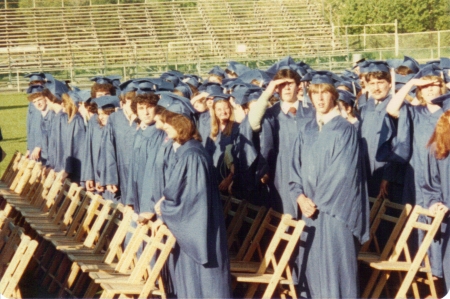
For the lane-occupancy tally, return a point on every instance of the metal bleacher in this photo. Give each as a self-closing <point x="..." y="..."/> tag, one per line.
<point x="159" y="33"/>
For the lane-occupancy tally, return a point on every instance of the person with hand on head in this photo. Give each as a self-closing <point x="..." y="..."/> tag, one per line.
<point x="326" y="183"/>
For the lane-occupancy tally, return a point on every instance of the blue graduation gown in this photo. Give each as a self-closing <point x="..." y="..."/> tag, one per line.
<point x="72" y="138"/>
<point x="204" y="126"/>
<point x="216" y="150"/>
<point x="250" y="165"/>
<point x="34" y="133"/>
<point x="193" y="212"/>
<point x="46" y="126"/>
<point x="377" y="130"/>
<point x="325" y="167"/>
<point x="285" y="128"/>
<point x="118" y="146"/>
<point x="157" y="177"/>
<point x="437" y="189"/>
<point x="54" y="152"/>
<point x="145" y="149"/>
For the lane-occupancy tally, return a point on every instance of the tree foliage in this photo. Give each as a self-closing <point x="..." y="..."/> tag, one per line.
<point x="412" y="15"/>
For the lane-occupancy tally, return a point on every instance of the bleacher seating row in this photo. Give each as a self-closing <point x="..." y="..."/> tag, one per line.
<point x="160" y="33"/>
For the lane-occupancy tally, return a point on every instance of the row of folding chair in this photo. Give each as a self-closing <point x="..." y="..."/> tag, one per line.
<point x="393" y="234"/>
<point x="81" y="239"/>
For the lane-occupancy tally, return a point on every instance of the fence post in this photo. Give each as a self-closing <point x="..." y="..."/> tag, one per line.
<point x="439" y="43"/>
<point x="6" y="4"/>
<point x="396" y="38"/>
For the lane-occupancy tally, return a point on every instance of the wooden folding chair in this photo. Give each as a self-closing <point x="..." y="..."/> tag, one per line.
<point x="10" y="169"/>
<point x="21" y="167"/>
<point x="29" y="170"/>
<point x="105" y="254"/>
<point x="233" y="210"/>
<point x="400" y="259"/>
<point x="273" y="269"/>
<point x="375" y="204"/>
<point x="15" y="255"/>
<point x="157" y="251"/>
<point x="244" y="229"/>
<point x="32" y="181"/>
<point x="390" y="213"/>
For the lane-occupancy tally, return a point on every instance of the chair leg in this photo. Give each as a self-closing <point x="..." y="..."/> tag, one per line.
<point x="251" y="290"/>
<point x="380" y="285"/>
<point x="91" y="290"/>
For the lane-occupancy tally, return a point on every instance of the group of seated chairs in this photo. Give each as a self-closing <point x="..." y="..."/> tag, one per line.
<point x="79" y="245"/>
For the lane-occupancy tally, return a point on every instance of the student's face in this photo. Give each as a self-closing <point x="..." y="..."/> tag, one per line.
<point x="40" y="103"/>
<point x="431" y="91"/>
<point x="378" y="88"/>
<point x="158" y="122"/>
<point x="102" y="117"/>
<point x="323" y="101"/>
<point x="101" y="93"/>
<point x="288" y="91"/>
<point x="222" y="111"/>
<point x="170" y="131"/>
<point x="145" y="113"/>
<point x="200" y="106"/>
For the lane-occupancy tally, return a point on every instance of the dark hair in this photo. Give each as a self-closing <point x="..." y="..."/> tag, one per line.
<point x="90" y="106"/>
<point x="107" y="111"/>
<point x="50" y="96"/>
<point x="288" y="74"/>
<point x="130" y="95"/>
<point x="404" y="70"/>
<point x="186" y="129"/>
<point x="105" y="87"/>
<point x="150" y="99"/>
<point x="34" y="96"/>
<point x="379" y="76"/>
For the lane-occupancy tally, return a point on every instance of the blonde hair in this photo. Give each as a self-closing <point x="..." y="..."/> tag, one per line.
<point x="323" y="87"/>
<point x="69" y="106"/>
<point x="215" y="122"/>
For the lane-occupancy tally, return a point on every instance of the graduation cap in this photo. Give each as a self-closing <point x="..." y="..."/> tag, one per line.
<point x="192" y="79"/>
<point x="363" y="66"/>
<point x="346" y="97"/>
<point x="173" y="77"/>
<point x="162" y="84"/>
<point x="436" y="62"/>
<point x="211" y="87"/>
<point x="246" y="95"/>
<point x="350" y="75"/>
<point x="79" y="96"/>
<point x="218" y="71"/>
<point x="56" y="87"/>
<point x="359" y="63"/>
<point x="128" y="86"/>
<point x="411" y="63"/>
<point x="429" y="70"/>
<point x="220" y="96"/>
<point x="102" y="80"/>
<point x="444" y="63"/>
<point x="443" y="101"/>
<point x="104" y="102"/>
<point x="184" y="89"/>
<point x="378" y="66"/>
<point x="394" y="63"/>
<point x="258" y="75"/>
<point x="35" y="88"/>
<point x="145" y="86"/>
<point x="286" y="61"/>
<point x="36" y="77"/>
<point x="353" y="86"/>
<point x="237" y="68"/>
<point x="115" y="80"/>
<point x="176" y="104"/>
<point x="321" y="77"/>
<point x="401" y="80"/>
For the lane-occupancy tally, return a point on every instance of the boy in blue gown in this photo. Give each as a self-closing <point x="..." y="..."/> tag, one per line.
<point x="326" y="182"/>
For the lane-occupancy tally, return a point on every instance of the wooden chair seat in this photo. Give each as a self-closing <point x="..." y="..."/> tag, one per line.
<point x="368" y="257"/>
<point x="130" y="288"/>
<point x="394" y="266"/>
<point x="97" y="267"/>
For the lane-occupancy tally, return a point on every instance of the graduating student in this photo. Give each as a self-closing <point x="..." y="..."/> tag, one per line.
<point x="147" y="142"/>
<point x="203" y="103"/>
<point x="39" y="102"/>
<point x="251" y="152"/>
<point x="34" y="119"/>
<point x="384" y="177"/>
<point x="68" y="134"/>
<point x="118" y="145"/>
<point x="325" y="180"/>
<point x="94" y="161"/>
<point x="286" y="118"/>
<point x="224" y="131"/>
<point x="192" y="210"/>
<point x="437" y="190"/>
<point x="346" y="102"/>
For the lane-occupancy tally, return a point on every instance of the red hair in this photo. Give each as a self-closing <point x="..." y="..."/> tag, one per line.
<point x="439" y="142"/>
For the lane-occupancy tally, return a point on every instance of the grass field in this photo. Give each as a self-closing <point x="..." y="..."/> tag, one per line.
<point x="13" y="112"/>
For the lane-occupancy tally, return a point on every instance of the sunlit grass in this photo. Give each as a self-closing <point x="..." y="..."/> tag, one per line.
<point x="13" y="111"/>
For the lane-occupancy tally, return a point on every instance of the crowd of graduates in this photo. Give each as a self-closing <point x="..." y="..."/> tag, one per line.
<point x="308" y="143"/>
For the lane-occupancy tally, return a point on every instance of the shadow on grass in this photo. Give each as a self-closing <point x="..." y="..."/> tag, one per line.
<point x="15" y="139"/>
<point x="13" y="107"/>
